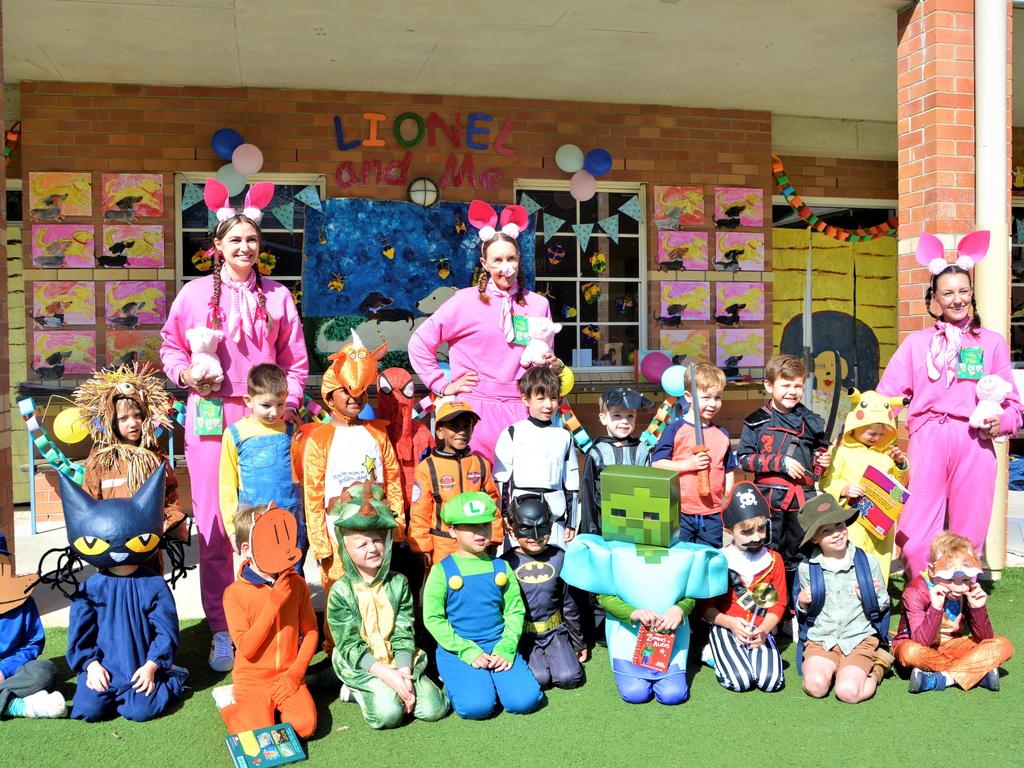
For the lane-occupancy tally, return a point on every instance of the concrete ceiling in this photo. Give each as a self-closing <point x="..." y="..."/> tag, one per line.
<point x="831" y="58"/>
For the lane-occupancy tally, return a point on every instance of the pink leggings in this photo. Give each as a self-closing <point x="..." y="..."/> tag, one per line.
<point x="950" y="465"/>
<point x="216" y="564"/>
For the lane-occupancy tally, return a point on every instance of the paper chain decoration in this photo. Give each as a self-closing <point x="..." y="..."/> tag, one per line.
<point x="311" y="410"/>
<point x="836" y="233"/>
<point x="50" y="452"/>
<point x="571" y="423"/>
<point x="659" y="422"/>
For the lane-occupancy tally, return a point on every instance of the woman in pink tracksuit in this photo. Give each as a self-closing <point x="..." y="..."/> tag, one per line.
<point x="260" y="325"/>
<point x="954" y="465"/>
<point x="478" y="325"/>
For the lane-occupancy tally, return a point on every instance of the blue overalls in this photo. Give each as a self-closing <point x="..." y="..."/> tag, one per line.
<point x="475" y="613"/>
<point x="265" y="475"/>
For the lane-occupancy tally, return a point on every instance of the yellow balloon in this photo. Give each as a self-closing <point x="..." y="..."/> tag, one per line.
<point x="567" y="380"/>
<point x="69" y="428"/>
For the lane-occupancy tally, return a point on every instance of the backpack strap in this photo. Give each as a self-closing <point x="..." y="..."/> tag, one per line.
<point x="868" y="597"/>
<point x="817" y="576"/>
<point x="483" y="470"/>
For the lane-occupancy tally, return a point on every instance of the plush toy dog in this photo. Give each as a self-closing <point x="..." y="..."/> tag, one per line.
<point x="542" y="335"/>
<point x="991" y="390"/>
<point x="205" y="364"/>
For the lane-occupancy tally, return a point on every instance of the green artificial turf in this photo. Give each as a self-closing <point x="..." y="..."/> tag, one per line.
<point x="589" y="726"/>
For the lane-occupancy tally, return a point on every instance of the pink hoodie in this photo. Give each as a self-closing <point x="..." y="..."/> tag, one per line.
<point x="907" y="375"/>
<point x="475" y="341"/>
<point x="285" y="344"/>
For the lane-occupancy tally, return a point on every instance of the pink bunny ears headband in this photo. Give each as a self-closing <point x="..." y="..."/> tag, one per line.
<point x="514" y="219"/>
<point x="256" y="199"/>
<point x="971" y="250"/>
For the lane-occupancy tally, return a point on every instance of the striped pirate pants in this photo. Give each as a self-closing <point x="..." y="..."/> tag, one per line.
<point x="740" y="668"/>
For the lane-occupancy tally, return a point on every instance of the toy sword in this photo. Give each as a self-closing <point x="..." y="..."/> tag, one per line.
<point x="704" y="475"/>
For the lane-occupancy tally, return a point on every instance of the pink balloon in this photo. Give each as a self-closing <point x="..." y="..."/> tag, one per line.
<point x="582" y="186"/>
<point x="653" y="365"/>
<point x="247" y="159"/>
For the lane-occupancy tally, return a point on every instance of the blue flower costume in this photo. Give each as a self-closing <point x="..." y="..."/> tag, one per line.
<point x="638" y="563"/>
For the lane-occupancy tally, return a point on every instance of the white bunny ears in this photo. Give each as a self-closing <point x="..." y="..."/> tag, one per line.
<point x="972" y="249"/>
<point x="217" y="199"/>
<point x="514" y="219"/>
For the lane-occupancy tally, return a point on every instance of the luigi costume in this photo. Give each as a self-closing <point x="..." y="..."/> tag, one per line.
<point x="372" y="621"/>
<point x="552" y="637"/>
<point x="472" y="606"/>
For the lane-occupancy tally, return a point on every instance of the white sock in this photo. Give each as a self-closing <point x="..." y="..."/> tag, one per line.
<point x="45" y="704"/>
<point x="947" y="677"/>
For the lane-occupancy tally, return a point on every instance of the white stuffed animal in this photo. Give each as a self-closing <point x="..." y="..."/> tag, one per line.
<point x="991" y="391"/>
<point x="205" y="364"/>
<point x="542" y="335"/>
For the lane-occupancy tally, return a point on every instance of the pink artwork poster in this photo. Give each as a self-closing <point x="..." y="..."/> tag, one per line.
<point x="739" y="346"/>
<point x="736" y="302"/>
<point x="56" y="304"/>
<point x="684" y="301"/>
<point x="127" y="347"/>
<point x="67" y="246"/>
<point x="128" y="196"/>
<point x="742" y="206"/>
<point x="682" y="250"/>
<point x="57" y="354"/>
<point x="686" y="347"/>
<point x="52" y="195"/>
<point x="739" y="251"/>
<point x="132" y="245"/>
<point x="678" y="207"/>
<point x="135" y="302"/>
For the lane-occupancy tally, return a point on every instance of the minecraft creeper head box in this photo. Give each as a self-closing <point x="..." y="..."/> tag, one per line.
<point x="640" y="505"/>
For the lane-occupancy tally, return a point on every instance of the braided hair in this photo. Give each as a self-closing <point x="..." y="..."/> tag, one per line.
<point x="953" y="269"/>
<point x="219" y="233"/>
<point x="481" y="284"/>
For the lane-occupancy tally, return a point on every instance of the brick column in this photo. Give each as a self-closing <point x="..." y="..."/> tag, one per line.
<point x="6" y="483"/>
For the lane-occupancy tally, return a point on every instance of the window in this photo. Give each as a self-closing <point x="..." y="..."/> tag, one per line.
<point x="597" y="293"/>
<point x="1017" y="283"/>
<point x="284" y="248"/>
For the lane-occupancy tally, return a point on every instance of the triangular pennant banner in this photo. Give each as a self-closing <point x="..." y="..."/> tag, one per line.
<point x="1019" y="237"/>
<point x="192" y="195"/>
<point x="583" y="232"/>
<point x="285" y="213"/>
<point x="551" y="225"/>
<point x="311" y="197"/>
<point x="632" y="209"/>
<point x="531" y="205"/>
<point x="211" y="220"/>
<point x="611" y="226"/>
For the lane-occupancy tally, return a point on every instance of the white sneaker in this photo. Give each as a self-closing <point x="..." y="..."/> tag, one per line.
<point x="223" y="696"/>
<point x="707" y="657"/>
<point x="345" y="694"/>
<point x="45" y="704"/>
<point x="222" y="652"/>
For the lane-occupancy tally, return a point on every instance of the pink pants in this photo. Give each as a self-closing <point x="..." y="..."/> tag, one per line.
<point x="496" y="414"/>
<point x="950" y="466"/>
<point x="216" y="553"/>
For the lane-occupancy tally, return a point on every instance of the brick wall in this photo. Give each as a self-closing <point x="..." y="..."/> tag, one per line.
<point x="838" y="177"/>
<point x="6" y="496"/>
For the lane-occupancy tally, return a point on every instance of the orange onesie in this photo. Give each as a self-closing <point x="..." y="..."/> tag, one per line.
<point x="274" y="630"/>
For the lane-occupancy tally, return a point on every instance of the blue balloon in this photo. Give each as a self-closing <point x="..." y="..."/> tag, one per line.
<point x="225" y="141"/>
<point x="446" y="370"/>
<point x="598" y="162"/>
<point x="673" y="380"/>
<point x="367" y="413"/>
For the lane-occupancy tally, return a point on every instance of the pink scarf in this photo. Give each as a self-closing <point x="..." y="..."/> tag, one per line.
<point x="244" y="315"/>
<point x="944" y="349"/>
<point x="506" y="307"/>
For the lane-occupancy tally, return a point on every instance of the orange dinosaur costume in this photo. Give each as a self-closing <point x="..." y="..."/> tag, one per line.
<point x="344" y="452"/>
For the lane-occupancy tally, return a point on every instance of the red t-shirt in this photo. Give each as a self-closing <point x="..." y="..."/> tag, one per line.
<point x="676" y="443"/>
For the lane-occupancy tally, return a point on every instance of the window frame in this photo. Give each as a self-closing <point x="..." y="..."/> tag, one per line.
<point x="639" y="188"/>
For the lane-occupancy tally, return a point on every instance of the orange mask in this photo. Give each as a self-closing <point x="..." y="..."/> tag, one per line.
<point x="14" y="590"/>
<point x="274" y="541"/>
<point x="354" y="367"/>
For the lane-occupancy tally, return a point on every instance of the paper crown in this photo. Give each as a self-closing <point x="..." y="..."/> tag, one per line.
<point x="514" y="219"/>
<point x="972" y="249"/>
<point x="217" y="199"/>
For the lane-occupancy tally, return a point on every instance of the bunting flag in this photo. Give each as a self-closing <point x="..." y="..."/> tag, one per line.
<point x="610" y="226"/>
<point x="211" y="220"/>
<point x="531" y="205"/>
<point x="192" y="195"/>
<point x="285" y="213"/>
<point x="1019" y="236"/>
<point x="310" y="196"/>
<point x="632" y="209"/>
<point x="583" y="232"/>
<point x="552" y="224"/>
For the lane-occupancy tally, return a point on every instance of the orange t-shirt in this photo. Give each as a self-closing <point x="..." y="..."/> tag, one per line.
<point x="676" y="443"/>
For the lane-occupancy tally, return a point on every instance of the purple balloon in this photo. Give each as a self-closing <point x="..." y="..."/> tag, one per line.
<point x="598" y="162"/>
<point x="653" y="365"/>
<point x="582" y="186"/>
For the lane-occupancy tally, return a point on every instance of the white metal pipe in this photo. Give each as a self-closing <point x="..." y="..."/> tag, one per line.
<point x="991" y="209"/>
